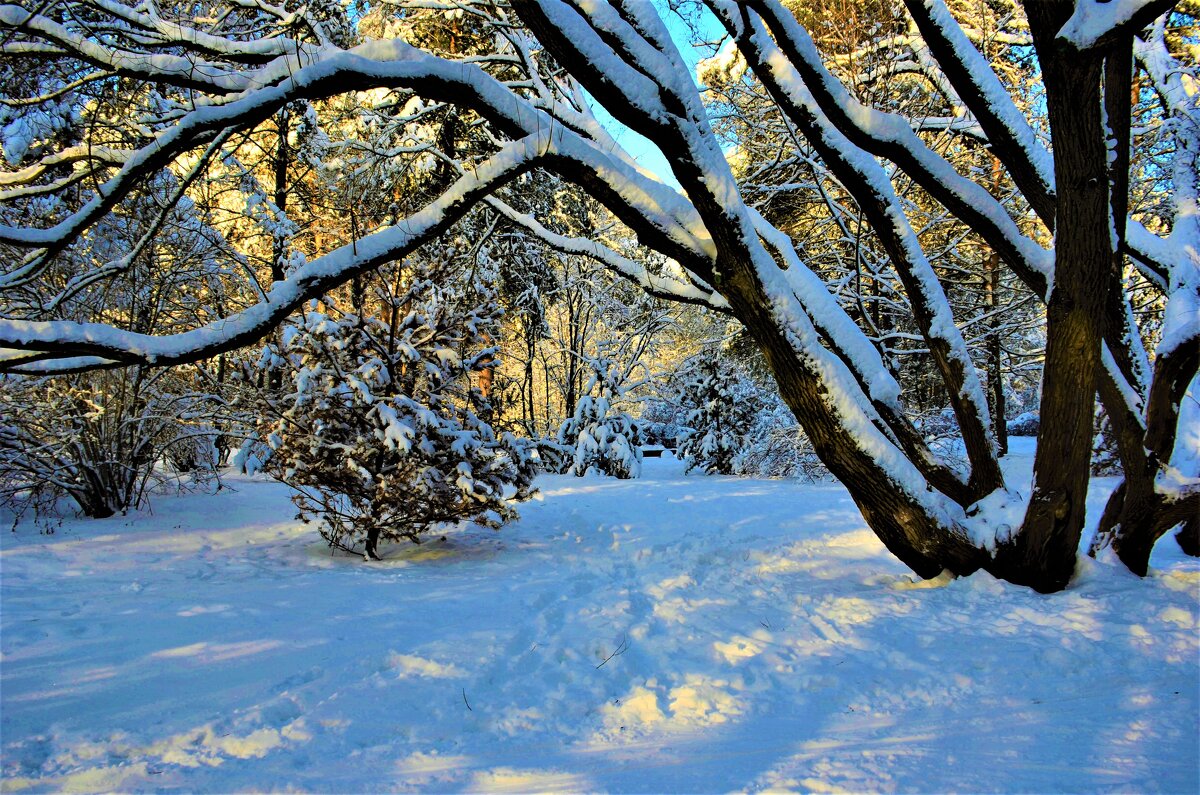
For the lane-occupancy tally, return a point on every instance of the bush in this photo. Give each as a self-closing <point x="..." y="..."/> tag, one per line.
<point x="382" y="437"/>
<point x="104" y="439"/>
<point x="1024" y="424"/>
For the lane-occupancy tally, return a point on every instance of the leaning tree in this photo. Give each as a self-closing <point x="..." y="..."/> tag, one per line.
<point x="123" y="89"/>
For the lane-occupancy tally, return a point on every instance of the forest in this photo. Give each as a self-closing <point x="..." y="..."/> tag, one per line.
<point x="429" y="268"/>
<point x="336" y="232"/>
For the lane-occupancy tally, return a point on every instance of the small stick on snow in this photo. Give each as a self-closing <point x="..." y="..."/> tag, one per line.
<point x="621" y="649"/>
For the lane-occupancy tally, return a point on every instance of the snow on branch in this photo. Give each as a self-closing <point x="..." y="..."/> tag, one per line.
<point x="1009" y="132"/>
<point x="788" y="57"/>
<point x="386" y="64"/>
<point x="627" y="85"/>
<point x="180" y="70"/>
<point x="695" y="155"/>
<point x="92" y="345"/>
<point x="873" y="191"/>
<point x="680" y="285"/>
<point x="1095" y="24"/>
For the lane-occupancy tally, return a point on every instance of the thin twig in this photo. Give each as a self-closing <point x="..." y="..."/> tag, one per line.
<point x="621" y="649"/>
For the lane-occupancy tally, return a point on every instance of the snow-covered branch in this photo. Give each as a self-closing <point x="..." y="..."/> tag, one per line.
<point x="1096" y="24"/>
<point x="91" y="345"/>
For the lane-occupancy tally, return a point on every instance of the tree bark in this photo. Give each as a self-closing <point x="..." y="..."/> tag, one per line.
<point x="908" y="529"/>
<point x="995" y="373"/>
<point x="370" y="552"/>
<point x="279" y="245"/>
<point x="1189" y="537"/>
<point x="1137" y="517"/>
<point x="1042" y="555"/>
<point x="995" y="361"/>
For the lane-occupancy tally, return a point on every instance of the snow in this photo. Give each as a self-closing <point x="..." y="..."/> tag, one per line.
<point x="1094" y="20"/>
<point x="672" y="633"/>
<point x="1181" y="316"/>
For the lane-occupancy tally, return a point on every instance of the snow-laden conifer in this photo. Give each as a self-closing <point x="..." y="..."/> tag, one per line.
<point x="382" y="435"/>
<point x="723" y="409"/>
<point x="601" y="435"/>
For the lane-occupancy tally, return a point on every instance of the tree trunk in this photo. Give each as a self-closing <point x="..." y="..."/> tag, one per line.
<point x="1042" y="555"/>
<point x="90" y="505"/>
<point x="1146" y="527"/>
<point x="1189" y="537"/>
<point x="279" y="245"/>
<point x="995" y="373"/>
<point x="370" y="552"/>
<point x="528" y="409"/>
<point x="1134" y="538"/>
<point x="907" y="528"/>
<point x="1135" y="519"/>
<point x="487" y="377"/>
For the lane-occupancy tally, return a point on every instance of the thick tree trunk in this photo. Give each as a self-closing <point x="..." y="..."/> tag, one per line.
<point x="1042" y="555"/>
<point x="909" y="530"/>
<point x="1136" y="517"/>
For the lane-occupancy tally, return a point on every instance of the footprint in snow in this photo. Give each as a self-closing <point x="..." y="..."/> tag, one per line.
<point x="299" y="680"/>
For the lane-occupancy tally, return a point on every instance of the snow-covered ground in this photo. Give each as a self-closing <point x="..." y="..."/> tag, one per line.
<point x="667" y="634"/>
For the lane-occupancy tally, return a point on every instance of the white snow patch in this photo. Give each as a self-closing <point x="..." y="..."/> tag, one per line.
<point x="743" y="635"/>
<point x="411" y="665"/>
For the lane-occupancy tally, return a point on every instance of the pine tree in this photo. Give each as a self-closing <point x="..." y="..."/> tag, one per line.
<point x="382" y="437"/>
<point x="603" y="437"/>
<point x="722" y="414"/>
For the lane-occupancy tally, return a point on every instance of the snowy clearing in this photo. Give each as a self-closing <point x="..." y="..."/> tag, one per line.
<point x="665" y="634"/>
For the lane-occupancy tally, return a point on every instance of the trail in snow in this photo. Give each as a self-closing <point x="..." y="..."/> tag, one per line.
<point x="675" y="633"/>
